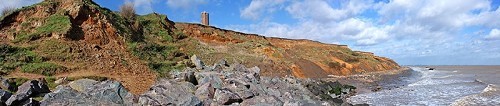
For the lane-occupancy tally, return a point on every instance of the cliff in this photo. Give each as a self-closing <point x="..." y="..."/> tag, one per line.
<point x="78" y="38"/>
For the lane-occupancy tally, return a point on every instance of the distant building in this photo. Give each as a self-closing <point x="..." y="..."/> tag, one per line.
<point x="204" y="18"/>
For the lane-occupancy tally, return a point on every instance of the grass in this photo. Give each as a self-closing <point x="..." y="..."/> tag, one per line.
<point x="44" y="68"/>
<point x="160" y="58"/>
<point x="156" y="25"/>
<point x="55" y="23"/>
<point x="12" y="57"/>
<point x="55" y="49"/>
<point x="51" y="82"/>
<point x="27" y="60"/>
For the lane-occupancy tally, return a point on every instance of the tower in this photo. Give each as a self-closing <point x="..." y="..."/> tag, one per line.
<point x="204" y="18"/>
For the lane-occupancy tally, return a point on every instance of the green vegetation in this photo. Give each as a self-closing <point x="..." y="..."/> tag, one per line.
<point x="160" y="58"/>
<point x="53" y="24"/>
<point x="55" y="50"/>
<point x="156" y="25"/>
<point x="14" y="57"/>
<point x="51" y="82"/>
<point x="43" y="68"/>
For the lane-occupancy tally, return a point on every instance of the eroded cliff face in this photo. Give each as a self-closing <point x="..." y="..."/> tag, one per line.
<point x="71" y="38"/>
<point x="78" y="38"/>
<point x="281" y="57"/>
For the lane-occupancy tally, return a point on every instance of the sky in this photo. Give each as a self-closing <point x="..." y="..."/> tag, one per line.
<point x="412" y="32"/>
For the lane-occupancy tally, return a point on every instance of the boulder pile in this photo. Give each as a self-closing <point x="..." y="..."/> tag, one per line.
<point x="219" y="84"/>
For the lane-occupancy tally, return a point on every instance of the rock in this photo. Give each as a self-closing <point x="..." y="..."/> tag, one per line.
<point x="262" y="101"/>
<point x="4" y="96"/>
<point x="82" y="84"/>
<point x="197" y="62"/>
<point x="30" y="102"/>
<point x="112" y="91"/>
<point x="226" y="97"/>
<point x="205" y="92"/>
<point x="166" y="92"/>
<point x="60" y="81"/>
<point x="239" y="68"/>
<point x="190" y="77"/>
<point x="4" y="84"/>
<point x="64" y="96"/>
<point x="241" y="88"/>
<point x="254" y="74"/>
<point x="218" y="68"/>
<point x="27" y="90"/>
<point x="104" y="93"/>
<point x="223" y="62"/>
<point x="209" y="77"/>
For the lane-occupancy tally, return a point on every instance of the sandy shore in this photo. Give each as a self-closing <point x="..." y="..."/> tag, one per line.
<point x="372" y="82"/>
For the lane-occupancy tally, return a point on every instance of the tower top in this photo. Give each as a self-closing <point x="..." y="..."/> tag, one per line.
<point x="204" y="18"/>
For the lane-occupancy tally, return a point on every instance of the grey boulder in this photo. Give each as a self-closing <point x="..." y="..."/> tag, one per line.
<point x="27" y="90"/>
<point x="4" y="95"/>
<point x="107" y="93"/>
<point x="166" y="92"/>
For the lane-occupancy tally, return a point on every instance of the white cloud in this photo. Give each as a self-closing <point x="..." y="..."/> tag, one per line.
<point x="185" y="4"/>
<point x="436" y="14"/>
<point x="16" y="3"/>
<point x="320" y="10"/>
<point x="258" y="7"/>
<point x="401" y="29"/>
<point x="494" y="35"/>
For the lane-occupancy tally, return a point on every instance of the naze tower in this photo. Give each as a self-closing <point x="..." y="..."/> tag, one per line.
<point x="204" y="18"/>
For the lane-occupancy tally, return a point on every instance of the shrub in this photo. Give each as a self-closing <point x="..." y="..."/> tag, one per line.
<point x="7" y="10"/>
<point x="127" y="11"/>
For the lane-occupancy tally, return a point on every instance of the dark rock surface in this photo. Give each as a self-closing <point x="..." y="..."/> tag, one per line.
<point x="106" y="93"/>
<point x="166" y="92"/>
<point x="210" y="86"/>
<point x="26" y="90"/>
<point x="4" y="95"/>
<point x="4" y="84"/>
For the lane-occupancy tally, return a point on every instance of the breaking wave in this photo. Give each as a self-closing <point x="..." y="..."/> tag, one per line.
<point x="490" y="96"/>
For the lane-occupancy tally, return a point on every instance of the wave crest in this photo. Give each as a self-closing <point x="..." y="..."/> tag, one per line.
<point x="490" y="96"/>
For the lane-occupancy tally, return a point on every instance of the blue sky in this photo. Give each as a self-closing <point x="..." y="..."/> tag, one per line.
<point x="412" y="32"/>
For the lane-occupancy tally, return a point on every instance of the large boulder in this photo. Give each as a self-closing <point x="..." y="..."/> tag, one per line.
<point x="166" y="92"/>
<point x="4" y="84"/>
<point x="82" y="84"/>
<point x="209" y="77"/>
<point x="226" y="97"/>
<point x="27" y="90"/>
<point x="197" y="62"/>
<point x="30" y="102"/>
<point x="205" y="92"/>
<point x="264" y="100"/>
<point x="4" y="95"/>
<point x="104" y="93"/>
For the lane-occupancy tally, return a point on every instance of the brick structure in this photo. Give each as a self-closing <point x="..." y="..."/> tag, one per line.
<point x="204" y="18"/>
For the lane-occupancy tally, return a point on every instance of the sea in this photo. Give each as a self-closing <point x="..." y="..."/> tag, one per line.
<point x="442" y="86"/>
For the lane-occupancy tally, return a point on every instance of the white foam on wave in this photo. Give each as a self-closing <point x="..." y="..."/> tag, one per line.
<point x="433" y="87"/>
<point x="490" y="96"/>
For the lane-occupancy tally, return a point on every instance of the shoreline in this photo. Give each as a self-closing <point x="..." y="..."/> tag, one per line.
<point x="375" y="81"/>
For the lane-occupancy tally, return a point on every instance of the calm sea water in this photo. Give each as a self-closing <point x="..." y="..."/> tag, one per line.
<point x="446" y="85"/>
